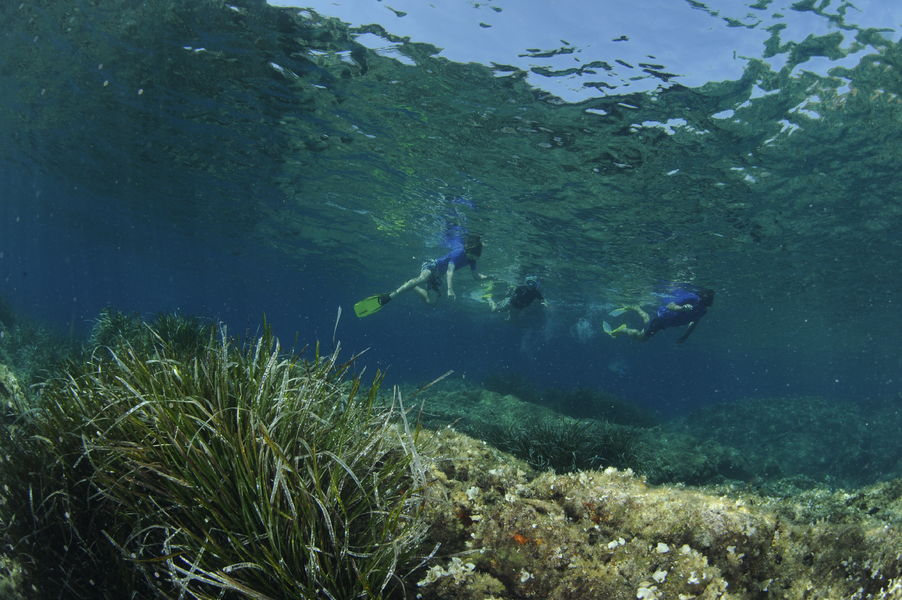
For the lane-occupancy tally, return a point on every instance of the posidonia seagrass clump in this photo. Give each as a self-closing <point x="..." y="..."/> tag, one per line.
<point x="185" y="337"/>
<point x="238" y="472"/>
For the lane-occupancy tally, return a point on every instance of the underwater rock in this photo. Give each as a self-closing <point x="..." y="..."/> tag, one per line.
<point x="796" y="438"/>
<point x="10" y="390"/>
<point x="10" y="571"/>
<point x="511" y="532"/>
<point x="552" y="438"/>
<point x="10" y="579"/>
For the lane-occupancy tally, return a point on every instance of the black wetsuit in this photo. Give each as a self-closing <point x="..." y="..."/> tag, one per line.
<point x="520" y="297"/>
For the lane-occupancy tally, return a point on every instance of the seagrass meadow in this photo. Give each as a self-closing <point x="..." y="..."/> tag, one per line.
<point x="177" y="461"/>
<point x="220" y="468"/>
<point x="664" y="365"/>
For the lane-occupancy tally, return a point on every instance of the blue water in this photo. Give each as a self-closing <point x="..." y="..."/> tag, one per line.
<point x="235" y="193"/>
<point x="63" y="273"/>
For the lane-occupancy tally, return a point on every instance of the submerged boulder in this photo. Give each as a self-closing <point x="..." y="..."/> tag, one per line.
<point x="508" y="531"/>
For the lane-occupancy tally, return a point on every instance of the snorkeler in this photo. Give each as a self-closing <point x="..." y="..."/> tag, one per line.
<point x="431" y="275"/>
<point x="681" y="304"/>
<point x="519" y="297"/>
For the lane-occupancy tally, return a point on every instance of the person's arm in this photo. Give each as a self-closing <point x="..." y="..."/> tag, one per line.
<point x="542" y="300"/>
<point x="477" y="275"/>
<point x="689" y="331"/>
<point x="679" y="307"/>
<point x="449" y="279"/>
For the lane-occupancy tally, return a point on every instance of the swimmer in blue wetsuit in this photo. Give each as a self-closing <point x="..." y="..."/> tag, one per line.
<point x="682" y="304"/>
<point x="433" y="271"/>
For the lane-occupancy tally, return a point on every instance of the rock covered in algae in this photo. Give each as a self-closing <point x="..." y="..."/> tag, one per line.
<point x="508" y="532"/>
<point x="10" y="392"/>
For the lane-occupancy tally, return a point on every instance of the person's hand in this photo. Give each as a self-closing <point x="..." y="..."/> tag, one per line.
<point x="451" y="294"/>
<point x="678" y="307"/>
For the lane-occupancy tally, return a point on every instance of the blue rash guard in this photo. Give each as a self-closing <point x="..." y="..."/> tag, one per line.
<point x="666" y="317"/>
<point x="439" y="266"/>
<point x="458" y="257"/>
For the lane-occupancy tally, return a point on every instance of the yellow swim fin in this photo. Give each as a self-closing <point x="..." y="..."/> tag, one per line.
<point x="371" y="305"/>
<point x="612" y="332"/>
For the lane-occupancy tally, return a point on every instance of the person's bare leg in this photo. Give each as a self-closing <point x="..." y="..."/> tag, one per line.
<point x="634" y="307"/>
<point x="422" y="293"/>
<point x="636" y="334"/>
<point x="413" y="283"/>
<point x="623" y="330"/>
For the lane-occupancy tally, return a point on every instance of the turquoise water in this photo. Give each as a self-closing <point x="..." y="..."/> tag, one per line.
<point x="235" y="160"/>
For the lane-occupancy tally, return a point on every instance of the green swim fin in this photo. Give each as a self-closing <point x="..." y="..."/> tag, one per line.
<point x="613" y="332"/>
<point x="487" y="289"/>
<point x="619" y="311"/>
<point x="370" y="305"/>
